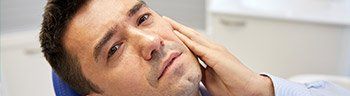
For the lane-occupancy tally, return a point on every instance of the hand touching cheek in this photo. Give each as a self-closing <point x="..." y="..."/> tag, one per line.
<point x="225" y="74"/>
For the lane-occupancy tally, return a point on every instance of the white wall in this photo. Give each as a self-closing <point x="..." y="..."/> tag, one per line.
<point x="25" y="72"/>
<point x="20" y="15"/>
<point x="189" y="12"/>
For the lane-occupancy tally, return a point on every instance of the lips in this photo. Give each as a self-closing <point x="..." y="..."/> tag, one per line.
<point x="169" y="61"/>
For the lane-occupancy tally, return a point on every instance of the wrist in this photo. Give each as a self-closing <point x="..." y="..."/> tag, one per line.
<point x="262" y="86"/>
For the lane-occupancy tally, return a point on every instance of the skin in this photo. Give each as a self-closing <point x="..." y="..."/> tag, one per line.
<point x="135" y="68"/>
<point x="225" y="74"/>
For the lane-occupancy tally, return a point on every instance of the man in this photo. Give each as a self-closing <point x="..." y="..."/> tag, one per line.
<point x="122" y="47"/>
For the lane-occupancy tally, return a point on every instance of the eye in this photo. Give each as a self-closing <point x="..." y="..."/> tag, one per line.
<point x="142" y="19"/>
<point x="113" y="50"/>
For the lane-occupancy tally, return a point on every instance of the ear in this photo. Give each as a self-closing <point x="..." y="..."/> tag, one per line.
<point x="94" y="94"/>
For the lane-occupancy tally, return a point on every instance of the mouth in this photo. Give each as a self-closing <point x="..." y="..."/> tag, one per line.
<point x="168" y="62"/>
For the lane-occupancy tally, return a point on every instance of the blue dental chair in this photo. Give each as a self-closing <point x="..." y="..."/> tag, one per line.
<point x="62" y="88"/>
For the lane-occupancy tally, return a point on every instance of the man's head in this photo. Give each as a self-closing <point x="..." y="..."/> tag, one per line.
<point x="109" y="47"/>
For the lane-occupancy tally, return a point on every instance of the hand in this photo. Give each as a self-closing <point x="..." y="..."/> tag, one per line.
<point x="225" y="74"/>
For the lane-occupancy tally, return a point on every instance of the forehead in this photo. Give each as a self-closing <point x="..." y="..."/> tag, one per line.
<point x="92" y="21"/>
<point x="99" y="13"/>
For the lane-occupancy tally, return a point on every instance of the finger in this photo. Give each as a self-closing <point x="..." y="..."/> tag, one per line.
<point x="182" y="29"/>
<point x="190" y="33"/>
<point x="195" y="47"/>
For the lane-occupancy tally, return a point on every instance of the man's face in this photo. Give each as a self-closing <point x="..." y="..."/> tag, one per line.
<point x="125" y="48"/>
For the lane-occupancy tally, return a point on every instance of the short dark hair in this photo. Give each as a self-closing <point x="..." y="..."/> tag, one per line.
<point x="57" y="16"/>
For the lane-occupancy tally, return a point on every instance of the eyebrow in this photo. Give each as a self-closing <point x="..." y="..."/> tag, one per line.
<point x="136" y="8"/>
<point x="111" y="32"/>
<point x="103" y="41"/>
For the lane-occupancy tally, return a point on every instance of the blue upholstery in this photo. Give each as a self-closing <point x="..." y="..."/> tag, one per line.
<point x="61" y="87"/>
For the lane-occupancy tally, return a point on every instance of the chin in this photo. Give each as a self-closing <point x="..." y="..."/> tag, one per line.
<point x="182" y="88"/>
<point x="193" y="75"/>
<point x="188" y="86"/>
<point x="189" y="82"/>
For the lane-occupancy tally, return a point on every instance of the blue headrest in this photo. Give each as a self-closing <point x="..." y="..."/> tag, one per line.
<point x="61" y="87"/>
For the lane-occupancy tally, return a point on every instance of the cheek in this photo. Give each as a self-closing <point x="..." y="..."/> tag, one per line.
<point x="165" y="30"/>
<point x="162" y="28"/>
<point x="131" y="69"/>
<point x="128" y="77"/>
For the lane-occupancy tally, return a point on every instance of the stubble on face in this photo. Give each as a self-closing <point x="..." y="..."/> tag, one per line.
<point x="156" y="63"/>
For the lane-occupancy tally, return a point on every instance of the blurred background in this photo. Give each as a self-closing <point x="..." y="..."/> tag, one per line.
<point x="301" y="40"/>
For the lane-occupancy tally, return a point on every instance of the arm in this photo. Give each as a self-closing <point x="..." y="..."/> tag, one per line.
<point x="284" y="87"/>
<point x="227" y="76"/>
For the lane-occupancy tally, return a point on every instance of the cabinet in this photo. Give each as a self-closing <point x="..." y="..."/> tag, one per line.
<point x="280" y="47"/>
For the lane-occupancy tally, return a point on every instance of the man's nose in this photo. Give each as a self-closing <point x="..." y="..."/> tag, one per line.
<point x="148" y="43"/>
